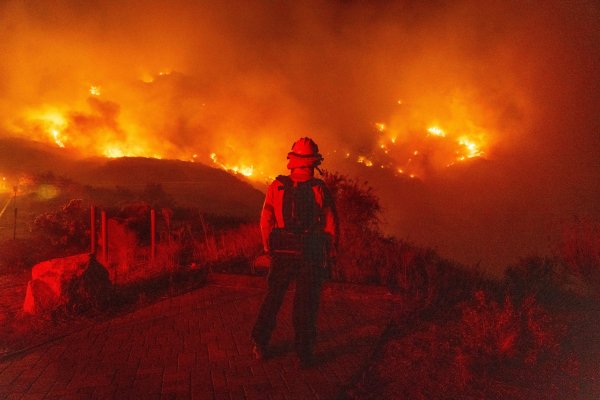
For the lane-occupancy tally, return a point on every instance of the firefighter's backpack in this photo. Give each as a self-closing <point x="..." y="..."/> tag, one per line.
<point x="301" y="217"/>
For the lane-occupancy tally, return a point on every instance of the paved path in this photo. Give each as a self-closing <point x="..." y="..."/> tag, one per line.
<point x="197" y="346"/>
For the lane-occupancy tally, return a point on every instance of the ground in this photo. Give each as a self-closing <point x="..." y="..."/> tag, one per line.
<point x="197" y="345"/>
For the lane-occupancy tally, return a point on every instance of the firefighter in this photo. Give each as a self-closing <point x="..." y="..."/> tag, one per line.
<point x="298" y="225"/>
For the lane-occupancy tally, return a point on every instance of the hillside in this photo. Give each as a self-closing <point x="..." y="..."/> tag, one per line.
<point x="35" y="166"/>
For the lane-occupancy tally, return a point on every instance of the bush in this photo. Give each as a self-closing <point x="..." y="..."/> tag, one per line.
<point x="491" y="332"/>
<point x="363" y="251"/>
<point x="517" y="343"/>
<point x="489" y="349"/>
<point x="580" y="252"/>
<point x="542" y="277"/>
<point x="66" y="230"/>
<point x="366" y="255"/>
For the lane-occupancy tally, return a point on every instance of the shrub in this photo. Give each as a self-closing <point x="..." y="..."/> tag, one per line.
<point x="510" y="340"/>
<point x="580" y="252"/>
<point x="542" y="277"/>
<point x="366" y="255"/>
<point x="66" y="231"/>
<point x="363" y="250"/>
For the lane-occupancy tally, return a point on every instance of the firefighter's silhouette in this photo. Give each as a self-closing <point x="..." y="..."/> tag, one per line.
<point x="298" y="225"/>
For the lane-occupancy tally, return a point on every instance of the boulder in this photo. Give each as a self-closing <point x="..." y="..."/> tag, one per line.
<point x="75" y="282"/>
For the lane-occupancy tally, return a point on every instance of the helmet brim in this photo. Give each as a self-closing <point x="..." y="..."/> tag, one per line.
<point x="299" y="161"/>
<point x="292" y="154"/>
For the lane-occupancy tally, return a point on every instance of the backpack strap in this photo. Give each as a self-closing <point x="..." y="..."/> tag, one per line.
<point x="286" y="181"/>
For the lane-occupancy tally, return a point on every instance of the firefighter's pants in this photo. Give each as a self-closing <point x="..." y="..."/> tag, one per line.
<point x="284" y="268"/>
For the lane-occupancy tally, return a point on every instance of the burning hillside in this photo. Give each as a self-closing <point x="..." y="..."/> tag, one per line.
<point x="197" y="101"/>
<point x="406" y="145"/>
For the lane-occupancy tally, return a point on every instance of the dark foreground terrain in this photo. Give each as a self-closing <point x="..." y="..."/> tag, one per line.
<point x="197" y="345"/>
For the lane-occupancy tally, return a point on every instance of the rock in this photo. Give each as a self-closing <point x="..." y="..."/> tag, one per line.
<point x="75" y="282"/>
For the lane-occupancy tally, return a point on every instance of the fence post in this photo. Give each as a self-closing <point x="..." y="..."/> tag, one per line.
<point x="93" y="229"/>
<point x="15" y="222"/>
<point x="152" y="235"/>
<point x="104" y="234"/>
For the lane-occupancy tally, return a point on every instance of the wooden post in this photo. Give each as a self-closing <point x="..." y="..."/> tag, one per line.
<point x="92" y="230"/>
<point x="104" y="234"/>
<point x="152" y="235"/>
<point x="15" y="222"/>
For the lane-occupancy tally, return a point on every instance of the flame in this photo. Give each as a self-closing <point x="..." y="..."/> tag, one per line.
<point x="51" y="121"/>
<point x="56" y="135"/>
<point x="434" y="130"/>
<point x="95" y="90"/>
<point x="364" y="160"/>
<point x="245" y="170"/>
<point x="472" y="148"/>
<point x="408" y="144"/>
<point x="113" y="152"/>
<point x="411" y="147"/>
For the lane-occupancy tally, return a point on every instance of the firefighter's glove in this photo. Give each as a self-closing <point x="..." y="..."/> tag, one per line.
<point x="262" y="264"/>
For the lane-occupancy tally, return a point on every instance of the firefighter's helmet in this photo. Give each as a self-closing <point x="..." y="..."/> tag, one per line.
<point x="305" y="153"/>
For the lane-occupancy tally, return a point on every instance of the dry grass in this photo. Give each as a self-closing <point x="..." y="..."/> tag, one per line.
<point x="528" y="337"/>
<point x="489" y="349"/>
<point x="241" y="243"/>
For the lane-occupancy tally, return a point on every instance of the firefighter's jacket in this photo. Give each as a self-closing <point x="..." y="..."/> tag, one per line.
<point x="272" y="212"/>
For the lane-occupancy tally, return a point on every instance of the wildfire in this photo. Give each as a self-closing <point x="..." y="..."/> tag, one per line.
<point x="365" y="161"/>
<point x="408" y="144"/>
<point x="434" y="130"/>
<point x="114" y="152"/>
<point x="413" y="149"/>
<point x="472" y="149"/>
<point x="245" y="170"/>
<point x="50" y="121"/>
<point x="95" y="90"/>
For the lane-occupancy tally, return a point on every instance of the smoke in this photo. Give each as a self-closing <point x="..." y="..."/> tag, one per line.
<point x="239" y="81"/>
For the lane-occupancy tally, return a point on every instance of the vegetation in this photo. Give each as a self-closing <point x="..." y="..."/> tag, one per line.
<point x="456" y="332"/>
<point x="580" y="253"/>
